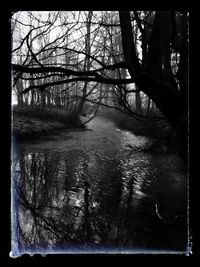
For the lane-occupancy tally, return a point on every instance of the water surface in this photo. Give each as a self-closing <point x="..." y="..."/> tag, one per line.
<point x="92" y="189"/>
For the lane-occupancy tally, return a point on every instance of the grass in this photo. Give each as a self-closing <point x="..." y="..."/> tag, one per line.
<point x="32" y="122"/>
<point x="45" y="114"/>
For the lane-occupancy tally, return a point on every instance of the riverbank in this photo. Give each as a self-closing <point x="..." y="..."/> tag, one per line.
<point x="163" y="136"/>
<point x="31" y="123"/>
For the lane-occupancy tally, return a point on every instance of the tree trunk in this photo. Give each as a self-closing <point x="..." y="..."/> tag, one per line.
<point x="87" y="63"/>
<point x="148" y="106"/>
<point x="43" y="99"/>
<point x="155" y="79"/>
<point x="138" y="103"/>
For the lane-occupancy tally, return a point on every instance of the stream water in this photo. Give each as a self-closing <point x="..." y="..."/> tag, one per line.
<point x="94" y="190"/>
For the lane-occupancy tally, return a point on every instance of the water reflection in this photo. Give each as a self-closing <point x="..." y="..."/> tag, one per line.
<point x="100" y="198"/>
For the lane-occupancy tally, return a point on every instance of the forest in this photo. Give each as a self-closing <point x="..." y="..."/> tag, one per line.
<point x="103" y="97"/>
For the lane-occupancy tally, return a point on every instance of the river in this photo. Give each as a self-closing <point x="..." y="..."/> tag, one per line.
<point x="95" y="190"/>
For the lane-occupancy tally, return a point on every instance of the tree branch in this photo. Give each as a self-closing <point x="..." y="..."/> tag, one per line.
<point x="31" y="51"/>
<point x="133" y="114"/>
<point x="34" y="70"/>
<point x="86" y="79"/>
<point x="139" y="23"/>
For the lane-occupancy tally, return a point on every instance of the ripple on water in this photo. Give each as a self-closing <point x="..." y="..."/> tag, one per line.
<point x="88" y="187"/>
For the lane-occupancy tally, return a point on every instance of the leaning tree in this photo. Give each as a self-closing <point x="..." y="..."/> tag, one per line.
<point x="168" y="88"/>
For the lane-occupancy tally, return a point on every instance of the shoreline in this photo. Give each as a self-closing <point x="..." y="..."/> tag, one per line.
<point x="33" y="123"/>
<point x="30" y="123"/>
<point x="25" y="128"/>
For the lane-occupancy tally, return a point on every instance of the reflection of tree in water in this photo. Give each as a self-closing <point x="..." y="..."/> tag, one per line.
<point x="76" y="199"/>
<point x="35" y="187"/>
<point x="57" y="202"/>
